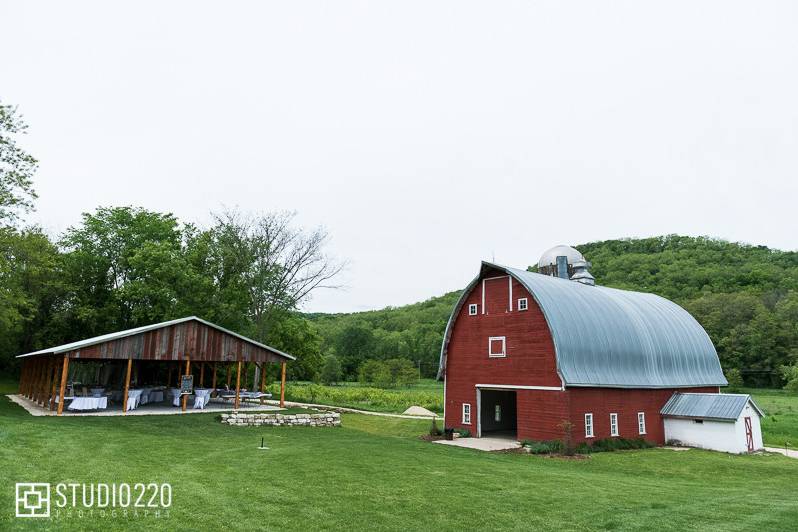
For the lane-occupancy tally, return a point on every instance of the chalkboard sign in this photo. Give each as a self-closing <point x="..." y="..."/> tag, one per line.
<point x="186" y="384"/>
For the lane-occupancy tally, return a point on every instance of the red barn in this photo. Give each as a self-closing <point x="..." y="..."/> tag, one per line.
<point x="523" y="352"/>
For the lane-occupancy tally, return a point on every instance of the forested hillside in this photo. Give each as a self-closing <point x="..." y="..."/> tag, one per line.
<point x="745" y="296"/>
<point x="413" y="332"/>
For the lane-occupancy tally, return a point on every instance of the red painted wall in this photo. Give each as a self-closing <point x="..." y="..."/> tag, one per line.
<point x="531" y="361"/>
<point x="601" y="402"/>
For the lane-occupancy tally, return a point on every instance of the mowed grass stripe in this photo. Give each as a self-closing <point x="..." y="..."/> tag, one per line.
<point x="374" y="473"/>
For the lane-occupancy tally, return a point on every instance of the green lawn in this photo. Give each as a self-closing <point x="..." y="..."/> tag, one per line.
<point x="780" y="424"/>
<point x="374" y="473"/>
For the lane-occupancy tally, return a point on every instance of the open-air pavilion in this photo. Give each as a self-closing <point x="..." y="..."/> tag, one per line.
<point x="146" y="367"/>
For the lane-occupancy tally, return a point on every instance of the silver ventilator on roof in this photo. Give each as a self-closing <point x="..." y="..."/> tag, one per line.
<point x="581" y="273"/>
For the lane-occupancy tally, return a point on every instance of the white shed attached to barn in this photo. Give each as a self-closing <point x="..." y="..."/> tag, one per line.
<point x="720" y="422"/>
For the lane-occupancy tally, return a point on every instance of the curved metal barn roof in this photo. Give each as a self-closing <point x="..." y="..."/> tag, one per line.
<point x="607" y="337"/>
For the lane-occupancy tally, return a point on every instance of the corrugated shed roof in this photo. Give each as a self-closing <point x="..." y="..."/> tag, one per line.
<point x="607" y="337"/>
<point x="721" y="406"/>
<point x="130" y="332"/>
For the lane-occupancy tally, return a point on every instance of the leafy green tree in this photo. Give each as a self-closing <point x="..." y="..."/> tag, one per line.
<point x="108" y="268"/>
<point x="403" y="373"/>
<point x="16" y="167"/>
<point x="297" y="336"/>
<point x="331" y="370"/>
<point x="367" y="373"/>
<point x="790" y="375"/>
<point x="734" y="378"/>
<point x="31" y="292"/>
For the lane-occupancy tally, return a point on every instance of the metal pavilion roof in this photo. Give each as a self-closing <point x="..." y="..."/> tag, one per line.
<point x="720" y="406"/>
<point x="138" y="330"/>
<point x="605" y="337"/>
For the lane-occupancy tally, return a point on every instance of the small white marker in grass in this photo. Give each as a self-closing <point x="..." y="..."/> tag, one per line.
<point x="262" y="445"/>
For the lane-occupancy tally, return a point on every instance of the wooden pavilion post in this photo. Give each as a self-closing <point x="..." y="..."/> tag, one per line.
<point x="262" y="380"/>
<point x="53" y="388"/>
<point x="213" y="382"/>
<point x="238" y="386"/>
<point x="254" y="376"/>
<point x="31" y="378"/>
<point x="22" y="374"/>
<point x="34" y="378"/>
<point x="48" y="381"/>
<point x="202" y="374"/>
<point x="62" y="388"/>
<point x="185" y="395"/>
<point x="45" y="386"/>
<point x="178" y="374"/>
<point x="282" y="385"/>
<point x="28" y="370"/>
<point x="127" y="386"/>
<point x="229" y="374"/>
<point x="37" y="384"/>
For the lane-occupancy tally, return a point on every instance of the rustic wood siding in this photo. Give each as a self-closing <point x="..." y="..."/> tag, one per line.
<point x="176" y="342"/>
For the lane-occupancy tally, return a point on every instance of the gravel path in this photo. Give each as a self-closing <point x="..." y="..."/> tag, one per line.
<point x="350" y="410"/>
<point x="781" y="450"/>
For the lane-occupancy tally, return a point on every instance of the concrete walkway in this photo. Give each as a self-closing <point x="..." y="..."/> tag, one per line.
<point x="482" y="444"/>
<point x="781" y="450"/>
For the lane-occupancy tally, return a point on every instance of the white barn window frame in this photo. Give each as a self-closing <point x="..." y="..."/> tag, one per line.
<point x="614" y="425"/>
<point x="466" y="414"/>
<point x="473" y="308"/>
<point x="500" y="354"/>
<point x="523" y="303"/>
<point x="641" y="422"/>
<point x="589" y="425"/>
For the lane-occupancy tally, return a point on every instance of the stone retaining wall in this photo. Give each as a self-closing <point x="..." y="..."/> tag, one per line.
<point x="239" y="419"/>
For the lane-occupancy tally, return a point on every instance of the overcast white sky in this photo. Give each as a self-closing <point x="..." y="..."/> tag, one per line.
<point x="425" y="136"/>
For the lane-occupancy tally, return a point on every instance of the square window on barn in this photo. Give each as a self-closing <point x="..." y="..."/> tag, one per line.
<point x="588" y="425"/>
<point x="497" y="346"/>
<point x="522" y="304"/>
<point x="614" y="425"/>
<point x="466" y="414"/>
<point x="472" y="309"/>
<point x="641" y="422"/>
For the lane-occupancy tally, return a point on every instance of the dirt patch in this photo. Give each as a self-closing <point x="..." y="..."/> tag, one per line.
<point x="430" y="437"/>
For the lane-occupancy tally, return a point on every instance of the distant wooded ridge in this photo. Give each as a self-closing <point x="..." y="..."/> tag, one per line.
<point x="745" y="296"/>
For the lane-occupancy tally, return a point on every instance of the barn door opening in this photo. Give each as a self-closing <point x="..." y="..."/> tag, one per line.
<point x="749" y="435"/>
<point x="497" y="413"/>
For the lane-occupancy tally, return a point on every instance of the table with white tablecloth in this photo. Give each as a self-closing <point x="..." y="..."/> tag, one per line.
<point x="201" y="397"/>
<point x="88" y="403"/>
<point x="174" y="394"/>
<point x="151" y="395"/>
<point x="133" y="397"/>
